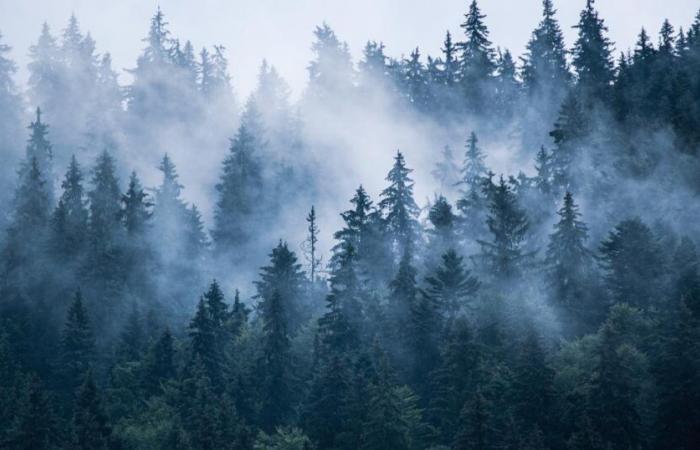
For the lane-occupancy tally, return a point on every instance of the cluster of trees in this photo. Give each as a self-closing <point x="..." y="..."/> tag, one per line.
<point x="502" y="315"/>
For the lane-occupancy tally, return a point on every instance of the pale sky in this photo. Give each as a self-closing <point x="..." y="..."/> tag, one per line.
<point x="281" y="30"/>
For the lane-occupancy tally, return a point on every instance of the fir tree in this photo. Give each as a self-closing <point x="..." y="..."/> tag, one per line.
<point x="159" y="363"/>
<point x="70" y="219"/>
<point x="136" y="208"/>
<point x="446" y="171"/>
<point x="39" y="149"/>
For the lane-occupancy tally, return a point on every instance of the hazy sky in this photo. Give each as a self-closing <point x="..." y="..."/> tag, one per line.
<point x="281" y="30"/>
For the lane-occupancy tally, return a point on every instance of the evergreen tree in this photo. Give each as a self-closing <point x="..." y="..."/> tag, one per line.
<point x="384" y="426"/>
<point x="569" y="132"/>
<point x="159" y="363"/>
<point x="399" y="206"/>
<point x="39" y="149"/>
<point x="77" y="345"/>
<point x="591" y="55"/>
<point x="311" y="246"/>
<point x="331" y="72"/>
<point x="90" y="428"/>
<point x="446" y="171"/>
<point x="284" y="279"/>
<point x="34" y="426"/>
<point x="70" y="218"/>
<point x="545" y="70"/>
<point x="569" y="261"/>
<point x="104" y="236"/>
<point x="472" y="204"/>
<point x="451" y="286"/>
<point x="277" y="390"/>
<point x="508" y="225"/>
<point x="326" y="414"/>
<point x="633" y="262"/>
<point x="477" y="60"/>
<point x="136" y="208"/>
<point x="507" y="85"/>
<point x="239" y="188"/>
<point x="545" y="177"/>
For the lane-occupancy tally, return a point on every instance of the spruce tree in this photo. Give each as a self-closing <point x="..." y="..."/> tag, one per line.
<point x="70" y="218"/>
<point x="77" y="345"/>
<point x="90" y="428"/>
<point x="477" y="60"/>
<point x="545" y="70"/>
<point x="39" y="148"/>
<point x="508" y="226"/>
<point x="400" y="209"/>
<point x="135" y="208"/>
<point x="446" y="171"/>
<point x="277" y="386"/>
<point x="159" y="364"/>
<point x="591" y="55"/>
<point x="451" y="286"/>
<point x="239" y="188"/>
<point x="569" y="262"/>
<point x="34" y="426"/>
<point x="283" y="278"/>
<point x="633" y="263"/>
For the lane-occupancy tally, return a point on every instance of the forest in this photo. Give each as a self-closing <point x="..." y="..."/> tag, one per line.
<point x="467" y="250"/>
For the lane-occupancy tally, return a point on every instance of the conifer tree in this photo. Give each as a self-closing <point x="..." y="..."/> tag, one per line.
<point x="507" y="86"/>
<point x="39" y="148"/>
<point x="545" y="70"/>
<point x="569" y="261"/>
<point x="311" y="246"/>
<point x="508" y="226"/>
<point x="451" y="286"/>
<point x="591" y="55"/>
<point x="70" y="218"/>
<point x="276" y="383"/>
<point x="90" y="426"/>
<point x="545" y="177"/>
<point x="326" y="414"/>
<point x="477" y="59"/>
<point x="239" y="188"/>
<point x="136" y="208"/>
<point x="77" y="344"/>
<point x="331" y="72"/>
<point x="284" y="279"/>
<point x="400" y="209"/>
<point x="159" y="363"/>
<point x="633" y="262"/>
<point x="446" y="171"/>
<point x="569" y="132"/>
<point x="104" y="236"/>
<point x="34" y="426"/>
<point x="450" y="64"/>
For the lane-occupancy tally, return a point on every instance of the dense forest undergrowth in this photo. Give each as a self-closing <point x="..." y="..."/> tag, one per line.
<point x="555" y="307"/>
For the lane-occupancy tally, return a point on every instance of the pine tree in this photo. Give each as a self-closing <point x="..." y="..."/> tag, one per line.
<point x="400" y="209"/>
<point x="591" y="55"/>
<point x="414" y="81"/>
<point x="450" y="64"/>
<point x="451" y="286"/>
<point x="476" y="427"/>
<point x="477" y="60"/>
<point x="508" y="225"/>
<point x="90" y="427"/>
<point x="474" y="172"/>
<point x="685" y="283"/>
<point x="403" y="294"/>
<point x="633" y="262"/>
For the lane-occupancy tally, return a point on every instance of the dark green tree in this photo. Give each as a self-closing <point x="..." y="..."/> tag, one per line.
<point x="476" y="60"/>
<point x="400" y="209"/>
<point x="451" y="286"/>
<point x="591" y="55"/>
<point x="77" y="345"/>
<point x="90" y="428"/>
